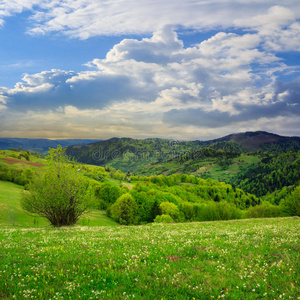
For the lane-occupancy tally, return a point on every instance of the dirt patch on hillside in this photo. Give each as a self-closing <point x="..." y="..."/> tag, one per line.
<point x="11" y="161"/>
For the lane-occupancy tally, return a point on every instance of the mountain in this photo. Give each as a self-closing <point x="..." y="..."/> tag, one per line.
<point x="129" y="154"/>
<point x="40" y="145"/>
<point x="136" y="155"/>
<point x="262" y="141"/>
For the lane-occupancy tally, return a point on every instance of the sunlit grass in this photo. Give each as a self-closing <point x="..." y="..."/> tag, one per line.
<point x="11" y="213"/>
<point x="245" y="259"/>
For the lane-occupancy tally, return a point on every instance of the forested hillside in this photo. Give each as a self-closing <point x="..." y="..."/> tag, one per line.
<point x="273" y="173"/>
<point x="129" y="154"/>
<point x="137" y="155"/>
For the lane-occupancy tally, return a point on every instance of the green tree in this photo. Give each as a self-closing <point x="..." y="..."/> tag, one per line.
<point x="188" y="209"/>
<point x="125" y="210"/>
<point x="61" y="195"/>
<point x="154" y="211"/>
<point x="171" y="209"/>
<point x="291" y="204"/>
<point x="163" y="219"/>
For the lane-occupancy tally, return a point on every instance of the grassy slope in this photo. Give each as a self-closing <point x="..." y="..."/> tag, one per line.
<point x="11" y="214"/>
<point x="10" y="211"/>
<point x="246" y="259"/>
<point x="205" y="167"/>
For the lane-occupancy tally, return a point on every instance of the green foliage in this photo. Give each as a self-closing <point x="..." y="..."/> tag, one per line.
<point x="291" y="204"/>
<point x="171" y="209"/>
<point x="264" y="210"/>
<point x="60" y="195"/>
<point x="129" y="154"/>
<point x="16" y="175"/>
<point x="273" y="173"/>
<point x="188" y="210"/>
<point x="281" y="147"/>
<point x="229" y="146"/>
<point x="25" y="155"/>
<point x="190" y="197"/>
<point x="163" y="219"/>
<point x="11" y="213"/>
<point x="124" y="210"/>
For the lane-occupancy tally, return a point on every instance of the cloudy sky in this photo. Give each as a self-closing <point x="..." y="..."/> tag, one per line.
<point x="192" y="69"/>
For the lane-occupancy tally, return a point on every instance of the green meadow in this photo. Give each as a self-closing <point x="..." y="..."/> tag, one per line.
<point x="11" y="214"/>
<point x="244" y="259"/>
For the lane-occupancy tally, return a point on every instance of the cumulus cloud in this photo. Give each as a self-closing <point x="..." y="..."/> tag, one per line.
<point x="159" y="87"/>
<point x="278" y="28"/>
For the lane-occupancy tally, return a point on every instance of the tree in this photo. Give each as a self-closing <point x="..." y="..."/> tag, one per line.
<point x="60" y="195"/>
<point x="163" y="219"/>
<point x="171" y="209"/>
<point x="188" y="209"/>
<point x="291" y="204"/>
<point x="154" y="211"/>
<point x="125" y="210"/>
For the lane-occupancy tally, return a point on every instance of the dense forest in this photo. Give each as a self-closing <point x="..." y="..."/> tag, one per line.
<point x="272" y="173"/>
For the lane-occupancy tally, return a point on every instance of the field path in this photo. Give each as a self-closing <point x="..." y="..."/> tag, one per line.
<point x="11" y="161"/>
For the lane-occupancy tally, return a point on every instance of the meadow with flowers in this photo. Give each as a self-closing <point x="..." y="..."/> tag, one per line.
<point x="236" y="259"/>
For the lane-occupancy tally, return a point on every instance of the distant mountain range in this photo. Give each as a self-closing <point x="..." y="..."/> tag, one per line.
<point x="40" y="145"/>
<point x="119" y="150"/>
<point x="262" y="141"/>
<point x="132" y="154"/>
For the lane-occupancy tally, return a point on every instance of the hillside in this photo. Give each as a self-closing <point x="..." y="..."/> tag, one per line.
<point x="134" y="155"/>
<point x="263" y="141"/>
<point x="129" y="154"/>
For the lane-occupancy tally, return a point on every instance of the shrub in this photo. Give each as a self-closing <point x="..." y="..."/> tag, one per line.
<point x="167" y="208"/>
<point x="125" y="210"/>
<point x="163" y="219"/>
<point x="61" y="196"/>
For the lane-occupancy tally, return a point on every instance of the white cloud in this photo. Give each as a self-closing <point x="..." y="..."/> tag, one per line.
<point x="87" y="18"/>
<point x="278" y="28"/>
<point x="156" y="87"/>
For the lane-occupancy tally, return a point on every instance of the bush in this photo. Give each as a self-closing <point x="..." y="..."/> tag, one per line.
<point x="61" y="196"/>
<point x="125" y="210"/>
<point x="171" y="209"/>
<point x="163" y="219"/>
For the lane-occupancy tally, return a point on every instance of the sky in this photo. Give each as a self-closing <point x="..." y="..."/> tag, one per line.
<point x="185" y="70"/>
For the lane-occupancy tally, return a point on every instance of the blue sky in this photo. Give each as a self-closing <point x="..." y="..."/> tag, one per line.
<point x="173" y="69"/>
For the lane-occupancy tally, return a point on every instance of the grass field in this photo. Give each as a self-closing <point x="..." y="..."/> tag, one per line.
<point x="11" y="213"/>
<point x="245" y="259"/>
